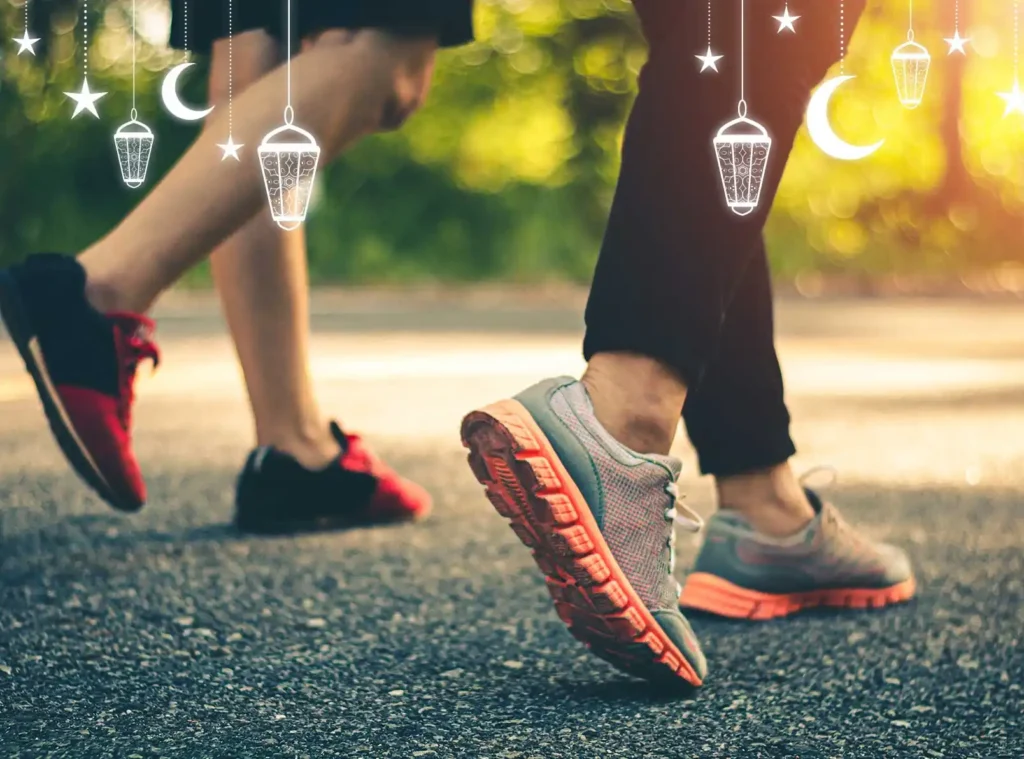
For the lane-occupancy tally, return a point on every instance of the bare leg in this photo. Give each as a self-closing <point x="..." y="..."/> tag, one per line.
<point x="260" y="274"/>
<point x="347" y="85"/>
<point x="772" y="500"/>
<point x="636" y="398"/>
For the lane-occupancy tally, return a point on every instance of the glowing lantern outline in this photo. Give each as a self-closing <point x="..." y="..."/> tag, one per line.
<point x="133" y="142"/>
<point x="288" y="191"/>
<point x="909" y="60"/>
<point x="742" y="175"/>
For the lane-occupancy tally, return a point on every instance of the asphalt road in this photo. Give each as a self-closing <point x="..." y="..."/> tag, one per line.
<point x="167" y="634"/>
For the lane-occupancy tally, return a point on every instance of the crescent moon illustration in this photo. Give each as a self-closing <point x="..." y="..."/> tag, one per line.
<point x="173" y="104"/>
<point x="821" y="129"/>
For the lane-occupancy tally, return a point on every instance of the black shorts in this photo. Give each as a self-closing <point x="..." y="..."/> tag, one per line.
<point x="451" y="21"/>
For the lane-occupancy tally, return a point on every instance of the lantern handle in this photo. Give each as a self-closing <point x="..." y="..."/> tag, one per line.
<point x="743" y="121"/>
<point x="134" y="115"/>
<point x="291" y="128"/>
<point x="741" y="108"/>
<point x="133" y="122"/>
<point x="910" y="35"/>
<point x="289" y="115"/>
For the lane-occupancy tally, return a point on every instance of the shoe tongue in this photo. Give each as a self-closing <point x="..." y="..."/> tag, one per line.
<point x="340" y="436"/>
<point x="815" y="500"/>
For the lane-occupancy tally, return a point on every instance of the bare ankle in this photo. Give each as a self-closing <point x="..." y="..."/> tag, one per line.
<point x="636" y="398"/>
<point x="313" y="448"/>
<point x="103" y="296"/>
<point x="772" y="500"/>
<point x="105" y="290"/>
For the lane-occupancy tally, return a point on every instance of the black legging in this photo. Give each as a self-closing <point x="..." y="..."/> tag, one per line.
<point x="680" y="277"/>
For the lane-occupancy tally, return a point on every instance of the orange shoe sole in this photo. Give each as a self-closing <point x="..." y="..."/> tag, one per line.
<point x="529" y="486"/>
<point x="707" y="592"/>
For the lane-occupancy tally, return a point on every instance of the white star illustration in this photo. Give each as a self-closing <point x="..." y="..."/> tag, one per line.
<point x="85" y="100"/>
<point x="26" y="43"/>
<point x="709" y="60"/>
<point x="231" y="149"/>
<point x="1014" y="100"/>
<point x="786" y="21"/>
<point x="956" y="43"/>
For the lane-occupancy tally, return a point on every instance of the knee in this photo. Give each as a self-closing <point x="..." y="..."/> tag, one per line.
<point x="399" y="72"/>
<point x="409" y="83"/>
<point x="406" y="95"/>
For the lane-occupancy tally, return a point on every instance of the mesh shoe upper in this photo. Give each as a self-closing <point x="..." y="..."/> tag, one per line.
<point x="828" y="553"/>
<point x="599" y="519"/>
<point x="636" y="492"/>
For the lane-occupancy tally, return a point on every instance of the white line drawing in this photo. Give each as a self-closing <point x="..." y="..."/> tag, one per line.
<point x="910" y="64"/>
<point x="289" y="157"/>
<point x="1015" y="98"/>
<point x="85" y="99"/>
<point x="133" y="140"/>
<point x="169" y="88"/>
<point x="786" y="20"/>
<point x="956" y="42"/>
<point x="820" y="128"/>
<point x="818" y="125"/>
<point x="742" y="146"/>
<point x="134" y="143"/>
<point x="230" y="147"/>
<point x="710" y="59"/>
<point x="27" y="43"/>
<point x="171" y="101"/>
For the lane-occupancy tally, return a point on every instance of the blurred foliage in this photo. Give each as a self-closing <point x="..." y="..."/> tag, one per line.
<point x="508" y="172"/>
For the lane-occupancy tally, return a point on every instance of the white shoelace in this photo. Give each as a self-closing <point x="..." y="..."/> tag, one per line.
<point x="691" y="521"/>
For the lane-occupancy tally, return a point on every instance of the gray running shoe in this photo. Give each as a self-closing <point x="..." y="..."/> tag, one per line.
<point x="599" y="519"/>
<point x="741" y="573"/>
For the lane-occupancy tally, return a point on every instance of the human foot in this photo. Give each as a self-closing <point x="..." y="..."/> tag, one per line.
<point x="742" y="573"/>
<point x="637" y="399"/>
<point x="312" y="451"/>
<point x="276" y="494"/>
<point x="83" y="363"/>
<point x="772" y="501"/>
<point x="599" y="519"/>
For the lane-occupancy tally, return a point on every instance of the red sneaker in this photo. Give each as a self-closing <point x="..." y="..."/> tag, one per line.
<point x="83" y="364"/>
<point x="277" y="495"/>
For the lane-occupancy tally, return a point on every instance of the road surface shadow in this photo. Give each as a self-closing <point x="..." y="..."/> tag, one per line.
<point x="620" y="689"/>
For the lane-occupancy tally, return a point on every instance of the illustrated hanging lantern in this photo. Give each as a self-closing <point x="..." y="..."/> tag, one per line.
<point x="742" y="147"/>
<point x="289" y="157"/>
<point x="910" y="64"/>
<point x="134" y="144"/>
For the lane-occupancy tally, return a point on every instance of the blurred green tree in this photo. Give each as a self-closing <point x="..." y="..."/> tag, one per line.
<point x="508" y="171"/>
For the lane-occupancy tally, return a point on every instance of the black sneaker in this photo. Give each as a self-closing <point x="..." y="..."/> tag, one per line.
<point x="277" y="495"/>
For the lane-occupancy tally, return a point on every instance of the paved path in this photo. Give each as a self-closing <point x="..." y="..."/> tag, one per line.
<point x="166" y="634"/>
